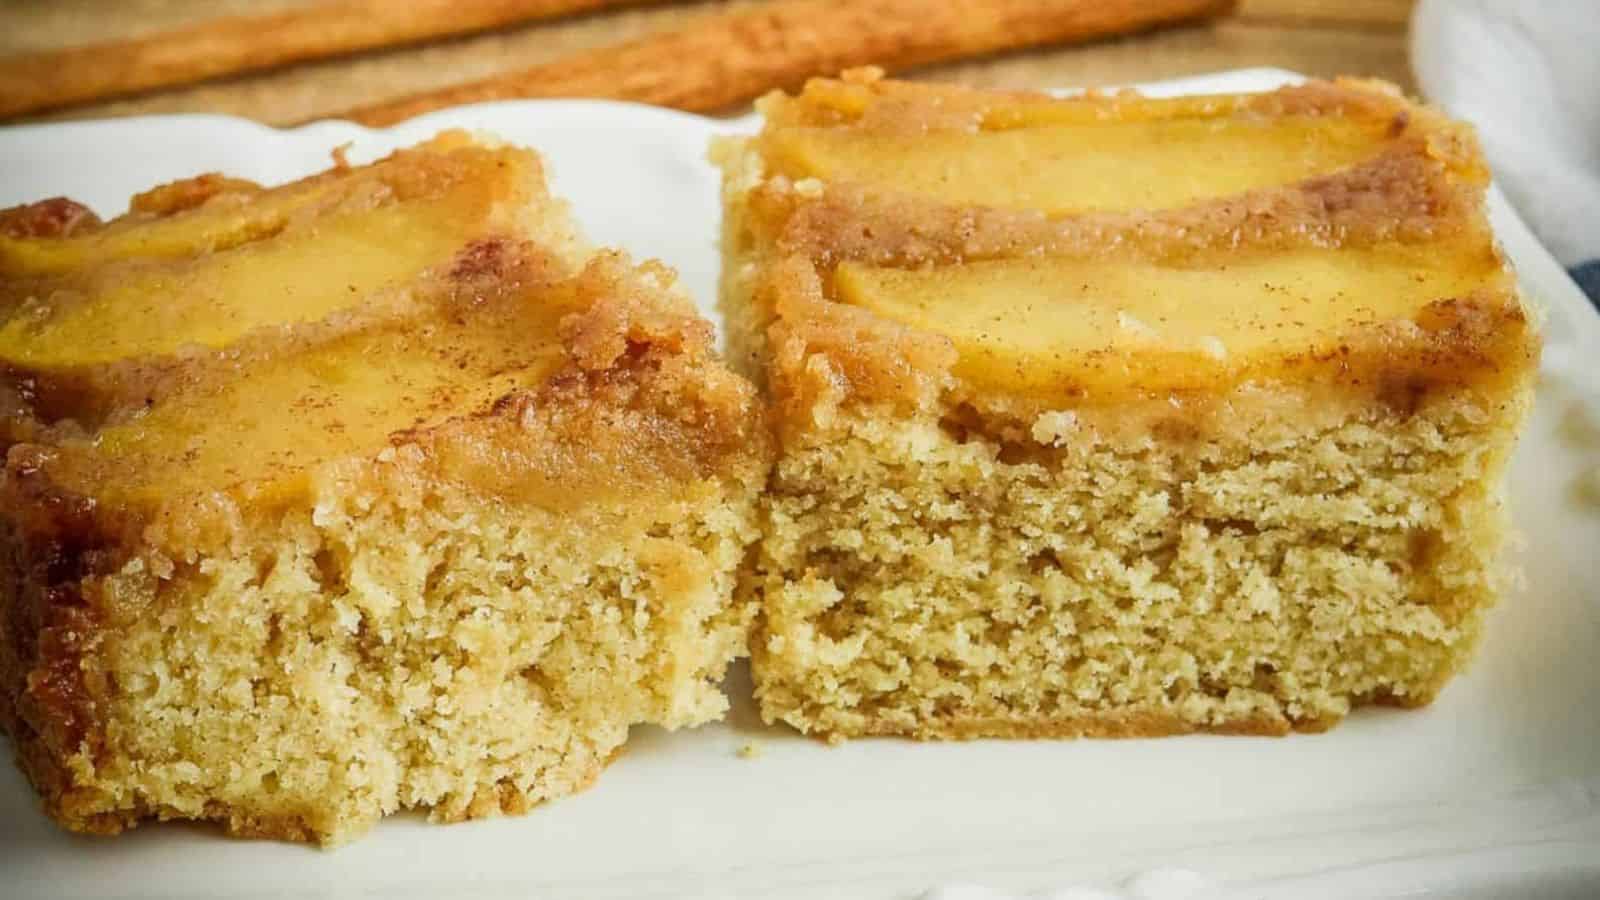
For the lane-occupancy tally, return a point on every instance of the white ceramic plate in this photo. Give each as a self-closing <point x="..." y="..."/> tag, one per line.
<point x="1493" y="791"/>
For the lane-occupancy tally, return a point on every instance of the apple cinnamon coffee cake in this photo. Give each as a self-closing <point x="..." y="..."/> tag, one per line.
<point x="1117" y="415"/>
<point x="376" y="491"/>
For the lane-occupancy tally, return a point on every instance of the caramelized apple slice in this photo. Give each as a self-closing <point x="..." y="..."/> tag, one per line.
<point x="227" y="222"/>
<point x="333" y="241"/>
<point x="1048" y="325"/>
<point x="1114" y="165"/>
<point x="829" y="101"/>
<point x="191" y="220"/>
<point x="215" y="298"/>
<point x="327" y="401"/>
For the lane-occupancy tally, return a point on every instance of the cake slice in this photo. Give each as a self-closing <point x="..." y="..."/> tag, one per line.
<point x="1115" y="415"/>
<point x="373" y="492"/>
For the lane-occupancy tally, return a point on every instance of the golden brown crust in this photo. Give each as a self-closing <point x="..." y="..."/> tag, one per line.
<point x="821" y="351"/>
<point x="48" y="625"/>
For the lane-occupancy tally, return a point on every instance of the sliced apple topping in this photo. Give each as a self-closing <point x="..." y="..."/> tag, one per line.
<point x="1052" y="325"/>
<point x="1115" y="165"/>
<point x="332" y="400"/>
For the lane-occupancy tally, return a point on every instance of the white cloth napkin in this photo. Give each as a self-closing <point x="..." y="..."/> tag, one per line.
<point x="1527" y="74"/>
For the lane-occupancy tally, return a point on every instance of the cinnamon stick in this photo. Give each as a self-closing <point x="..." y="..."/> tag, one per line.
<point x="733" y="57"/>
<point x="225" y="46"/>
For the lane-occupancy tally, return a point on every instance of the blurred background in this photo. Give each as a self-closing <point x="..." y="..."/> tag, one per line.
<point x="1317" y="37"/>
